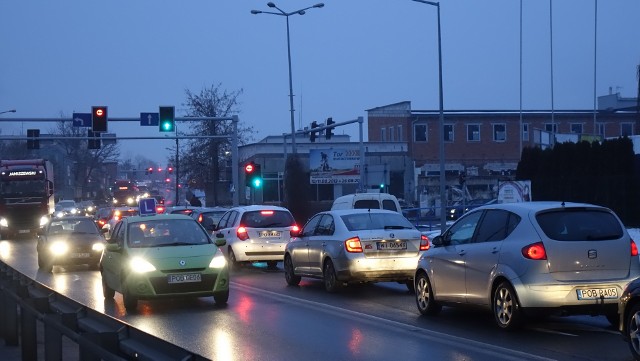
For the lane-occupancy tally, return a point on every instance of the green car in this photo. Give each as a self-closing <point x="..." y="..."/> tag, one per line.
<point x="163" y="256"/>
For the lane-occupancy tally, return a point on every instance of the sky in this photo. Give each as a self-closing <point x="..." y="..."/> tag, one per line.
<point x="60" y="57"/>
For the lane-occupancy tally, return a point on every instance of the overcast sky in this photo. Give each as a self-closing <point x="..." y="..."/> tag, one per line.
<point x="352" y="55"/>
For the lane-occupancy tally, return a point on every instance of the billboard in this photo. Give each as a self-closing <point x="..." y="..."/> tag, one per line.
<point x="514" y="191"/>
<point x="334" y="166"/>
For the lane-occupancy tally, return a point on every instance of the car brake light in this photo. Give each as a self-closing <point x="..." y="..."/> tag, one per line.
<point x="535" y="251"/>
<point x="424" y="243"/>
<point x="353" y="245"/>
<point x="295" y="228"/>
<point x="242" y="233"/>
<point x="200" y="218"/>
<point x="101" y="222"/>
<point x="266" y="213"/>
<point x="634" y="248"/>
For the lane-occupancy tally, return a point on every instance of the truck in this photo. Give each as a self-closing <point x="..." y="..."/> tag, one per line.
<point x="26" y="196"/>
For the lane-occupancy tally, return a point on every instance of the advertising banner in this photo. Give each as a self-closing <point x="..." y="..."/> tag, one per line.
<point x="334" y="166"/>
<point x="514" y="191"/>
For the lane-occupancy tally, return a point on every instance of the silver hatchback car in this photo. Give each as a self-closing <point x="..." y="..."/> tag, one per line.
<point x="529" y="258"/>
<point x="354" y="245"/>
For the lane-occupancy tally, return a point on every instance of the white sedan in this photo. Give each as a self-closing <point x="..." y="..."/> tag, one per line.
<point x="355" y="245"/>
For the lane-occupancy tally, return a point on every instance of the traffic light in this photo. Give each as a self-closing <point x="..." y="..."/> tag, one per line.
<point x="99" y="119"/>
<point x="94" y="140"/>
<point x="329" y="131"/>
<point x="150" y="170"/>
<point x="35" y="142"/>
<point x="167" y="119"/>
<point x="170" y="170"/>
<point x="312" y="136"/>
<point x="253" y="175"/>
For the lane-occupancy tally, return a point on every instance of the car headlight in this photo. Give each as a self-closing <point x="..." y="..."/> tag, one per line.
<point x="140" y="265"/>
<point x="218" y="260"/>
<point x="44" y="220"/>
<point x="60" y="214"/>
<point x="130" y="200"/>
<point x="115" y="201"/>
<point x="59" y="248"/>
<point x="4" y="222"/>
<point x="89" y="209"/>
<point x="98" y="247"/>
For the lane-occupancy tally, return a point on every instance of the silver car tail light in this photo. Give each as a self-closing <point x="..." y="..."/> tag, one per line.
<point x="424" y="243"/>
<point x="535" y="251"/>
<point x="353" y="245"/>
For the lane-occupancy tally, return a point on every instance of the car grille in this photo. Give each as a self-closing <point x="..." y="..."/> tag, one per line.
<point x="161" y="285"/>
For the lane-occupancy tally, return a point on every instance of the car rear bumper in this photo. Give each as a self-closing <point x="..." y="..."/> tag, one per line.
<point x="258" y="251"/>
<point x="565" y="296"/>
<point x="377" y="270"/>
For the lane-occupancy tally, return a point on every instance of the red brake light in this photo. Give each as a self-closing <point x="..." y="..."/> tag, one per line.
<point x="634" y="248"/>
<point x="159" y="209"/>
<point x="535" y="251"/>
<point x="101" y="222"/>
<point x="353" y="245"/>
<point x="295" y="228"/>
<point x="200" y="218"/>
<point x="424" y="243"/>
<point x="266" y="213"/>
<point x="242" y="233"/>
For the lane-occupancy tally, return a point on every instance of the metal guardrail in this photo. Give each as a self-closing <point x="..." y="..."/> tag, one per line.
<point x="25" y="302"/>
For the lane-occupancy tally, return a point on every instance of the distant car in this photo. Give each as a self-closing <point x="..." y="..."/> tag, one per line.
<point x="66" y="208"/>
<point x="186" y="210"/>
<point x="255" y="233"/>
<point x="69" y="240"/>
<point x="102" y="216"/>
<point x="208" y="216"/>
<point x="629" y="311"/>
<point x="163" y="256"/>
<point x="118" y="214"/>
<point x="357" y="245"/>
<point x="529" y="259"/>
<point x="87" y="208"/>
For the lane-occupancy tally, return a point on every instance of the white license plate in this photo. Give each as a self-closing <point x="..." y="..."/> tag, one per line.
<point x="270" y="234"/>
<point x="80" y="255"/>
<point x="597" y="293"/>
<point x="23" y="231"/>
<point x="184" y="278"/>
<point x="385" y="246"/>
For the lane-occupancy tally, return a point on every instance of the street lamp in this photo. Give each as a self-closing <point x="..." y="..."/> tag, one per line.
<point x="443" y="198"/>
<point x="8" y="111"/>
<point x="286" y="15"/>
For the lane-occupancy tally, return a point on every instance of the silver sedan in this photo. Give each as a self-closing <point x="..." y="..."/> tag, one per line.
<point x="354" y="245"/>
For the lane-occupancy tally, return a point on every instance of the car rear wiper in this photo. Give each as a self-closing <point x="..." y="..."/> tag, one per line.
<point x="601" y="238"/>
<point x="397" y="227"/>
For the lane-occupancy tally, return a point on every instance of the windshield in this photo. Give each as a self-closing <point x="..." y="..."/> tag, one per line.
<point x="72" y="226"/>
<point x="21" y="188"/>
<point x="66" y="204"/>
<point x="166" y="232"/>
<point x="362" y="221"/>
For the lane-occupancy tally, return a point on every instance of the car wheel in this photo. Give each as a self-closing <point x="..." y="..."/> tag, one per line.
<point x="233" y="262"/>
<point x="632" y="329"/>
<point x="506" y="310"/>
<point x="44" y="265"/>
<point x="130" y="302"/>
<point x="289" y="275"/>
<point x="330" y="278"/>
<point x="107" y="291"/>
<point x="221" y="298"/>
<point x="427" y="305"/>
<point x="272" y="264"/>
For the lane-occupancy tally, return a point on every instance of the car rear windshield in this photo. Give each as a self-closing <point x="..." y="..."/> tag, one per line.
<point x="362" y="221"/>
<point x="580" y="225"/>
<point x="366" y="204"/>
<point x="267" y="219"/>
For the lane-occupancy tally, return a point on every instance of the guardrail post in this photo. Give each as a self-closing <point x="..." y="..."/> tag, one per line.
<point x="52" y="339"/>
<point x="10" y="317"/>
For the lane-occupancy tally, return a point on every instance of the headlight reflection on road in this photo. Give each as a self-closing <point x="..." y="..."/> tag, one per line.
<point x="5" y="249"/>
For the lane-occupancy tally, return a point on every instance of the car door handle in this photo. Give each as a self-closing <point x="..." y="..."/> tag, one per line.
<point x="462" y="252"/>
<point x="495" y="250"/>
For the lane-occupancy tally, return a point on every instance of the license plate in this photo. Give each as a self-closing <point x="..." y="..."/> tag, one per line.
<point x="270" y="234"/>
<point x="80" y="255"/>
<point x="22" y="231"/>
<point x="597" y="293"/>
<point x="385" y="246"/>
<point x="184" y="278"/>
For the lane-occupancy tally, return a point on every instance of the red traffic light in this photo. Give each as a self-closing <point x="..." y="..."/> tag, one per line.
<point x="248" y="168"/>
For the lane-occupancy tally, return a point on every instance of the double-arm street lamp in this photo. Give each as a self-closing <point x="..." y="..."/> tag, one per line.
<point x="286" y="15"/>
<point x="443" y="198"/>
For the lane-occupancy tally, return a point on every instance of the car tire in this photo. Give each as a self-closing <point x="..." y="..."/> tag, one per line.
<point x="330" y="278"/>
<point x="44" y="265"/>
<point x="632" y="330"/>
<point x="289" y="275"/>
<point x="506" y="309"/>
<point x="107" y="291"/>
<point x="272" y="264"/>
<point x="233" y="262"/>
<point x="130" y="301"/>
<point x="425" y="301"/>
<point x="221" y="298"/>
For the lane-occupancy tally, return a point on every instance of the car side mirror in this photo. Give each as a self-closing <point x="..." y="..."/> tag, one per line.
<point x="437" y="241"/>
<point x="220" y="242"/>
<point x="113" y="247"/>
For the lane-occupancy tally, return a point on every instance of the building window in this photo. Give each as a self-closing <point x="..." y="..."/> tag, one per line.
<point x="626" y="129"/>
<point x="400" y="137"/>
<point x="576" y="128"/>
<point x="420" y="133"/>
<point x="600" y="127"/>
<point x="448" y="133"/>
<point x="391" y="134"/>
<point x="499" y="132"/>
<point x="473" y="132"/>
<point x="383" y="134"/>
<point x="551" y="127"/>
<point x="525" y="132"/>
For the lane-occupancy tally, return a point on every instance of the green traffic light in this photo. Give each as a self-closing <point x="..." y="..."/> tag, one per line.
<point x="167" y="125"/>
<point x="167" y="119"/>
<point x="257" y="182"/>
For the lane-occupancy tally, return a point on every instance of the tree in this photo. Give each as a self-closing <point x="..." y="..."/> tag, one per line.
<point x="86" y="164"/>
<point x="201" y="160"/>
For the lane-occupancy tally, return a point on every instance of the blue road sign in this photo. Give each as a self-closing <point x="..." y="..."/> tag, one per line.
<point x="82" y="120"/>
<point x="149" y="119"/>
<point x="147" y="206"/>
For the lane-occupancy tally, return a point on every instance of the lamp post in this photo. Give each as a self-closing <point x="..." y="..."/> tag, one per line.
<point x="443" y="198"/>
<point x="286" y="15"/>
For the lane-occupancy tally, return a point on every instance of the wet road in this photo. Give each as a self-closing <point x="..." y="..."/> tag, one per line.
<point x="268" y="320"/>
